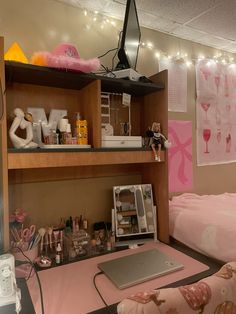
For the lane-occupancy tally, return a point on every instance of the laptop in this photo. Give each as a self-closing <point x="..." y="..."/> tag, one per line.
<point x="127" y="271"/>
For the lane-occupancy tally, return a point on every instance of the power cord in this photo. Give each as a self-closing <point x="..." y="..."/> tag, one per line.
<point x="36" y="273"/>
<point x="95" y="285"/>
<point x="113" y="58"/>
<point x="106" y="53"/>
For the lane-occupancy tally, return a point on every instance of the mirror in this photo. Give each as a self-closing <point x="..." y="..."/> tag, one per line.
<point x="134" y="210"/>
<point x="1" y="100"/>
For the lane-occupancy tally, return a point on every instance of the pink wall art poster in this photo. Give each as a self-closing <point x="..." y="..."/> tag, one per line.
<point x="180" y="156"/>
<point x="216" y="112"/>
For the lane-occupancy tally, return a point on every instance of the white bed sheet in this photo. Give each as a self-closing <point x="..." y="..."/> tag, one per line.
<point x="205" y="223"/>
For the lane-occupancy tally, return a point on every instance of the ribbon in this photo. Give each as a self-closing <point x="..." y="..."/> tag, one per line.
<point x="180" y="148"/>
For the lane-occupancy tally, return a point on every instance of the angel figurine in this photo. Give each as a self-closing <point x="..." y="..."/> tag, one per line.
<point x="24" y="122"/>
<point x="157" y="140"/>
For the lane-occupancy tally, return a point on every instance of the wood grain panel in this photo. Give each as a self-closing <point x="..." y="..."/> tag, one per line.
<point x="4" y="202"/>
<point x="91" y="99"/>
<point x="69" y="159"/>
<point x="68" y="173"/>
<point x="156" y="109"/>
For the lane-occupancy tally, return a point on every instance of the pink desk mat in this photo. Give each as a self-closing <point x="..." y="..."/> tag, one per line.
<point x="69" y="288"/>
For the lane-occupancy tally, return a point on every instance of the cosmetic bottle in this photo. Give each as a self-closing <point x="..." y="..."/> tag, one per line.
<point x="58" y="254"/>
<point x="68" y="134"/>
<point x="85" y="222"/>
<point x="81" y="130"/>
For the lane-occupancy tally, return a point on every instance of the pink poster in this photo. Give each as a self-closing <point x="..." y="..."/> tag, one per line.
<point x="180" y="156"/>
<point x="216" y="112"/>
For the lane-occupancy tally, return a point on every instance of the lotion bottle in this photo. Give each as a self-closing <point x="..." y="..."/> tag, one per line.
<point x="81" y="130"/>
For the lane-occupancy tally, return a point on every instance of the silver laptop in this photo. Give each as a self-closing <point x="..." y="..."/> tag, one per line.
<point x="132" y="269"/>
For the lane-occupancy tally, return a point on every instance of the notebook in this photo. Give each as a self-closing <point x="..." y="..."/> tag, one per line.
<point x="132" y="269"/>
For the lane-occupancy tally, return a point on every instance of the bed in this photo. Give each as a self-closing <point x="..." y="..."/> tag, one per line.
<point x="205" y="223"/>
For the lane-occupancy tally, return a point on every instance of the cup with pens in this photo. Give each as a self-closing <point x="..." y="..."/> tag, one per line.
<point x="24" y="242"/>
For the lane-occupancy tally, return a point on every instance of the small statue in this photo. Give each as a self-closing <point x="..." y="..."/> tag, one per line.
<point x="157" y="140"/>
<point x="24" y="122"/>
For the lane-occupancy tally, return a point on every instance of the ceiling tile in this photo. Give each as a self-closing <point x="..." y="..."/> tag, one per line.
<point x="209" y="22"/>
<point x="188" y="33"/>
<point x="180" y="11"/>
<point x="220" y="21"/>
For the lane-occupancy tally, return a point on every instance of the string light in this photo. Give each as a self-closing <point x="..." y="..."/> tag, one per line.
<point x="219" y="57"/>
<point x="96" y="18"/>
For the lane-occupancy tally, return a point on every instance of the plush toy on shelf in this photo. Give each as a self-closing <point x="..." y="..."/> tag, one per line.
<point x="24" y="122"/>
<point x="158" y="140"/>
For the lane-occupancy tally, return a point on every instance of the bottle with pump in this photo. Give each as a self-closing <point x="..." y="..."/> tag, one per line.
<point x="81" y="130"/>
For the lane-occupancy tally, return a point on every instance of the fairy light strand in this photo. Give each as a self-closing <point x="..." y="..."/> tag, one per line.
<point x="94" y="17"/>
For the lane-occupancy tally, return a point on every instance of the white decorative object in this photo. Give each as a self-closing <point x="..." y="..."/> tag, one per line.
<point x="21" y="122"/>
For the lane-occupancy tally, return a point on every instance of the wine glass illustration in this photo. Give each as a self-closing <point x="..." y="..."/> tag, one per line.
<point x="217" y="82"/>
<point x="218" y="135"/>
<point x="228" y="143"/>
<point x="226" y="86"/>
<point x="206" y="73"/>
<point x="205" y="106"/>
<point x="206" y="137"/>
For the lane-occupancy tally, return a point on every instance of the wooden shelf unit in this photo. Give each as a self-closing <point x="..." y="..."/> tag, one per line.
<point x="34" y="86"/>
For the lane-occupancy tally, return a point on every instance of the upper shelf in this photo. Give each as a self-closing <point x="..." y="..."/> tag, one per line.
<point x="27" y="159"/>
<point x="37" y="75"/>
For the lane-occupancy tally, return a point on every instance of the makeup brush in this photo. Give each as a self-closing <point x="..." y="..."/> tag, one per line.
<point x="42" y="232"/>
<point x="50" y="236"/>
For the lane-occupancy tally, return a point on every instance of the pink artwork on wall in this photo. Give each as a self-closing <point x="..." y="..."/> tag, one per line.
<point x="215" y="113"/>
<point x="180" y="156"/>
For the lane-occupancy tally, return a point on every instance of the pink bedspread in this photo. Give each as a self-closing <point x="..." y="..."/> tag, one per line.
<point x="205" y="223"/>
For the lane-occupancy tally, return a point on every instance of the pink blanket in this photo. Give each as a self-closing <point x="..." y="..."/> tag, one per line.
<point x="205" y="223"/>
<point x="214" y="294"/>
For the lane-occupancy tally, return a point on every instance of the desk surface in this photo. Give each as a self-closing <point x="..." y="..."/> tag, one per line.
<point x="213" y="265"/>
<point x="70" y="289"/>
<point x="73" y="283"/>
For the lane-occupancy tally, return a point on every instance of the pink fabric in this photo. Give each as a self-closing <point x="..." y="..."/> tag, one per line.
<point x="180" y="156"/>
<point x="65" y="56"/>
<point x="215" y="294"/>
<point x="69" y="288"/>
<point x="205" y="223"/>
<point x="68" y="50"/>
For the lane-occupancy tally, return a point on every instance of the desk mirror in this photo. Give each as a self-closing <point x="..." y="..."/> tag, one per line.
<point x="134" y="210"/>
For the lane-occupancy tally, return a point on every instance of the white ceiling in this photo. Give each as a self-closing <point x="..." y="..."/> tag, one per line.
<point x="209" y="22"/>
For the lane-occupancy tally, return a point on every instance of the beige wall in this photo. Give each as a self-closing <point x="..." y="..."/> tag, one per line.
<point x="41" y="25"/>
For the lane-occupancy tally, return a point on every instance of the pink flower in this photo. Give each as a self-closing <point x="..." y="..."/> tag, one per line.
<point x="18" y="216"/>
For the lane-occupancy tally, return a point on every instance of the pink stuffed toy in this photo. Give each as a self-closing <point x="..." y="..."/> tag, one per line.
<point x="65" y="56"/>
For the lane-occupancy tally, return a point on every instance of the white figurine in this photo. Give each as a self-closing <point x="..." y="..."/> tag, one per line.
<point x="21" y="122"/>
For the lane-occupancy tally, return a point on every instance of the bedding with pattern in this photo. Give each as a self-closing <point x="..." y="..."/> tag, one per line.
<point x="215" y="294"/>
<point x="205" y="223"/>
